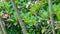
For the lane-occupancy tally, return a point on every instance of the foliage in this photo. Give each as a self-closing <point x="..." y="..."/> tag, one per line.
<point x="35" y="17"/>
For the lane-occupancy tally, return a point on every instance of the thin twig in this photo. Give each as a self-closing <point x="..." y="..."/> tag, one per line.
<point x="19" y="17"/>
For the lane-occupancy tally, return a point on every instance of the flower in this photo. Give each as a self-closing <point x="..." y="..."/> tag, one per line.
<point x="3" y="0"/>
<point x="48" y="22"/>
<point x="5" y="15"/>
<point x="43" y="30"/>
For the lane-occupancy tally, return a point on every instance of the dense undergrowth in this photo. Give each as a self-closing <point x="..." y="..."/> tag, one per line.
<point x="35" y="17"/>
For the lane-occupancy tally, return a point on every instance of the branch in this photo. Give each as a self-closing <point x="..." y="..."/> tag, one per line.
<point x="51" y="17"/>
<point x="3" y="30"/>
<point x="19" y="17"/>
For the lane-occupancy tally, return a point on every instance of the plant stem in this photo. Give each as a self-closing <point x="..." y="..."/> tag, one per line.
<point x="19" y="17"/>
<point x="3" y="31"/>
<point x="51" y="17"/>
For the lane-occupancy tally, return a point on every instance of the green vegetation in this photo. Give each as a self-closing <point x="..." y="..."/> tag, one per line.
<point x="34" y="17"/>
